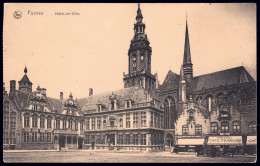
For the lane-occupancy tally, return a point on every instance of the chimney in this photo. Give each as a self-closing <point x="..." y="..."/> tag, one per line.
<point x="12" y="85"/>
<point x="90" y="91"/>
<point x="61" y="96"/>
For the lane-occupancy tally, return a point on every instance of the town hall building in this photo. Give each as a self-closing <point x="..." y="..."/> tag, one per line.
<point x="185" y="111"/>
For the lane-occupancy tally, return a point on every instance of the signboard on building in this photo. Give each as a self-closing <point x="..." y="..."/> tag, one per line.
<point x="251" y="140"/>
<point x="225" y="140"/>
<point x="194" y="141"/>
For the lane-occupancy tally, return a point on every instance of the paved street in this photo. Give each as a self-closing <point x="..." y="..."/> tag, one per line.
<point x="118" y="157"/>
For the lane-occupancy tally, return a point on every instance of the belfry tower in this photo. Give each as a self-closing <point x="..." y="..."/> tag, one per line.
<point x="139" y="58"/>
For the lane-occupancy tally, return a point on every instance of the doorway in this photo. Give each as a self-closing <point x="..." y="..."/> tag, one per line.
<point x="62" y="141"/>
<point x="80" y="142"/>
<point x="169" y="140"/>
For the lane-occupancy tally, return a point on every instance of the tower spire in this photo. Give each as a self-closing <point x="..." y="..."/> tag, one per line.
<point x="139" y="16"/>
<point x="187" y="65"/>
<point x="25" y="70"/>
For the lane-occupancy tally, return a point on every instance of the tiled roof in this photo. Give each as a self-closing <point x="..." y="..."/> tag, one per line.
<point x="224" y="77"/>
<point x="171" y="81"/>
<point x="22" y="99"/>
<point x="25" y="79"/>
<point x="55" y="104"/>
<point x="137" y="94"/>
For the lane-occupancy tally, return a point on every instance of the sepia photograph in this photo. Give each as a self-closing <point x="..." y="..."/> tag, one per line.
<point x="129" y="83"/>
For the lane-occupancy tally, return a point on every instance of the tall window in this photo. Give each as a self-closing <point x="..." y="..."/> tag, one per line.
<point x="13" y="120"/>
<point x="120" y="139"/>
<point x="57" y="123"/>
<point x="143" y="139"/>
<point x="104" y="124"/>
<point x="191" y="115"/>
<point x="209" y="103"/>
<point x="236" y="127"/>
<point x="98" y="139"/>
<point x="87" y="123"/>
<point x="98" y="123"/>
<point x="34" y="121"/>
<point x="121" y="121"/>
<point x="76" y="125"/>
<point x="25" y="137"/>
<point x="81" y="125"/>
<point x="12" y="138"/>
<point x="26" y="121"/>
<point x="198" y="129"/>
<point x="151" y="118"/>
<point x="142" y="62"/>
<point x="185" y="130"/>
<point x="127" y="120"/>
<point x="161" y="121"/>
<point x="135" y="120"/>
<point x="48" y="137"/>
<point x="42" y="137"/>
<point x="49" y="122"/>
<point x="169" y="113"/>
<point x="70" y="124"/>
<point x="155" y="120"/>
<point x="42" y="120"/>
<point x="35" y="107"/>
<point x="135" y="139"/>
<point x="128" y="139"/>
<point x="64" y="124"/>
<point x="93" y="123"/>
<point x="252" y="127"/>
<point x="214" y="127"/>
<point x="112" y="105"/>
<point x="143" y="119"/>
<point x="224" y="127"/>
<point x="134" y="63"/>
<point x="34" y="137"/>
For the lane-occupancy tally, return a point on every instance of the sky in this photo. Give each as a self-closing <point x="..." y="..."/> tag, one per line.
<point x="72" y="53"/>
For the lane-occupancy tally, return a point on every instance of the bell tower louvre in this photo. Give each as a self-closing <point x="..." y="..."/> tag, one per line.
<point x="139" y="58"/>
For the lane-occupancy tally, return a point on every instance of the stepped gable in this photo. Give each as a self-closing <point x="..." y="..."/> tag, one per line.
<point x="137" y="94"/>
<point x="225" y="77"/>
<point x="171" y="81"/>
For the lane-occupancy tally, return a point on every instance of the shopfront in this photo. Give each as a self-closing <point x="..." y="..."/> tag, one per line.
<point x="226" y="143"/>
<point x="188" y="144"/>
<point x="251" y="143"/>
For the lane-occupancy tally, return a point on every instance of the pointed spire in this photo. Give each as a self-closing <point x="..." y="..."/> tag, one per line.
<point x="71" y="95"/>
<point x="25" y="70"/>
<point x="187" y="56"/>
<point x="139" y="16"/>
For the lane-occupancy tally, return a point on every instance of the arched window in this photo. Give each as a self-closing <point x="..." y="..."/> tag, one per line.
<point x="225" y="127"/>
<point x="214" y="127"/>
<point x="252" y="127"/>
<point x="198" y="130"/>
<point x="42" y="122"/>
<point x="169" y="113"/>
<point x="185" y="130"/>
<point x="236" y="127"/>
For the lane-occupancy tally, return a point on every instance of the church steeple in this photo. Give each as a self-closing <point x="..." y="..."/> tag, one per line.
<point x="187" y="65"/>
<point x="139" y="57"/>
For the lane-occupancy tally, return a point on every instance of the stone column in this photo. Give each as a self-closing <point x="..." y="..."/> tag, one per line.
<point x="131" y="119"/>
<point x="148" y="118"/>
<point x="38" y="122"/>
<point x="53" y="124"/>
<point x="61" y="124"/>
<point x="30" y="121"/>
<point x="22" y="120"/>
<point x="115" y="138"/>
<point x="148" y="142"/>
<point x="90" y="123"/>
<point x="66" y="141"/>
<point x="77" y="142"/>
<point x="124" y="120"/>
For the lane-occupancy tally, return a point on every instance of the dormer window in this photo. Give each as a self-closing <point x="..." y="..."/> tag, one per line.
<point x="128" y="103"/>
<point x="99" y="107"/>
<point x="112" y="105"/>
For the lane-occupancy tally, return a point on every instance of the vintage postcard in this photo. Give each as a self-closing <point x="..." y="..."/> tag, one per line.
<point x="129" y="83"/>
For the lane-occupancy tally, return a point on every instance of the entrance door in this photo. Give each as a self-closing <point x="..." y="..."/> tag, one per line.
<point x="169" y="140"/>
<point x="62" y="141"/>
<point x="80" y="141"/>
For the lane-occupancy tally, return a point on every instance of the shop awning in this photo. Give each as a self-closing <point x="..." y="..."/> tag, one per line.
<point x="190" y="141"/>
<point x="225" y="140"/>
<point x="251" y="140"/>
